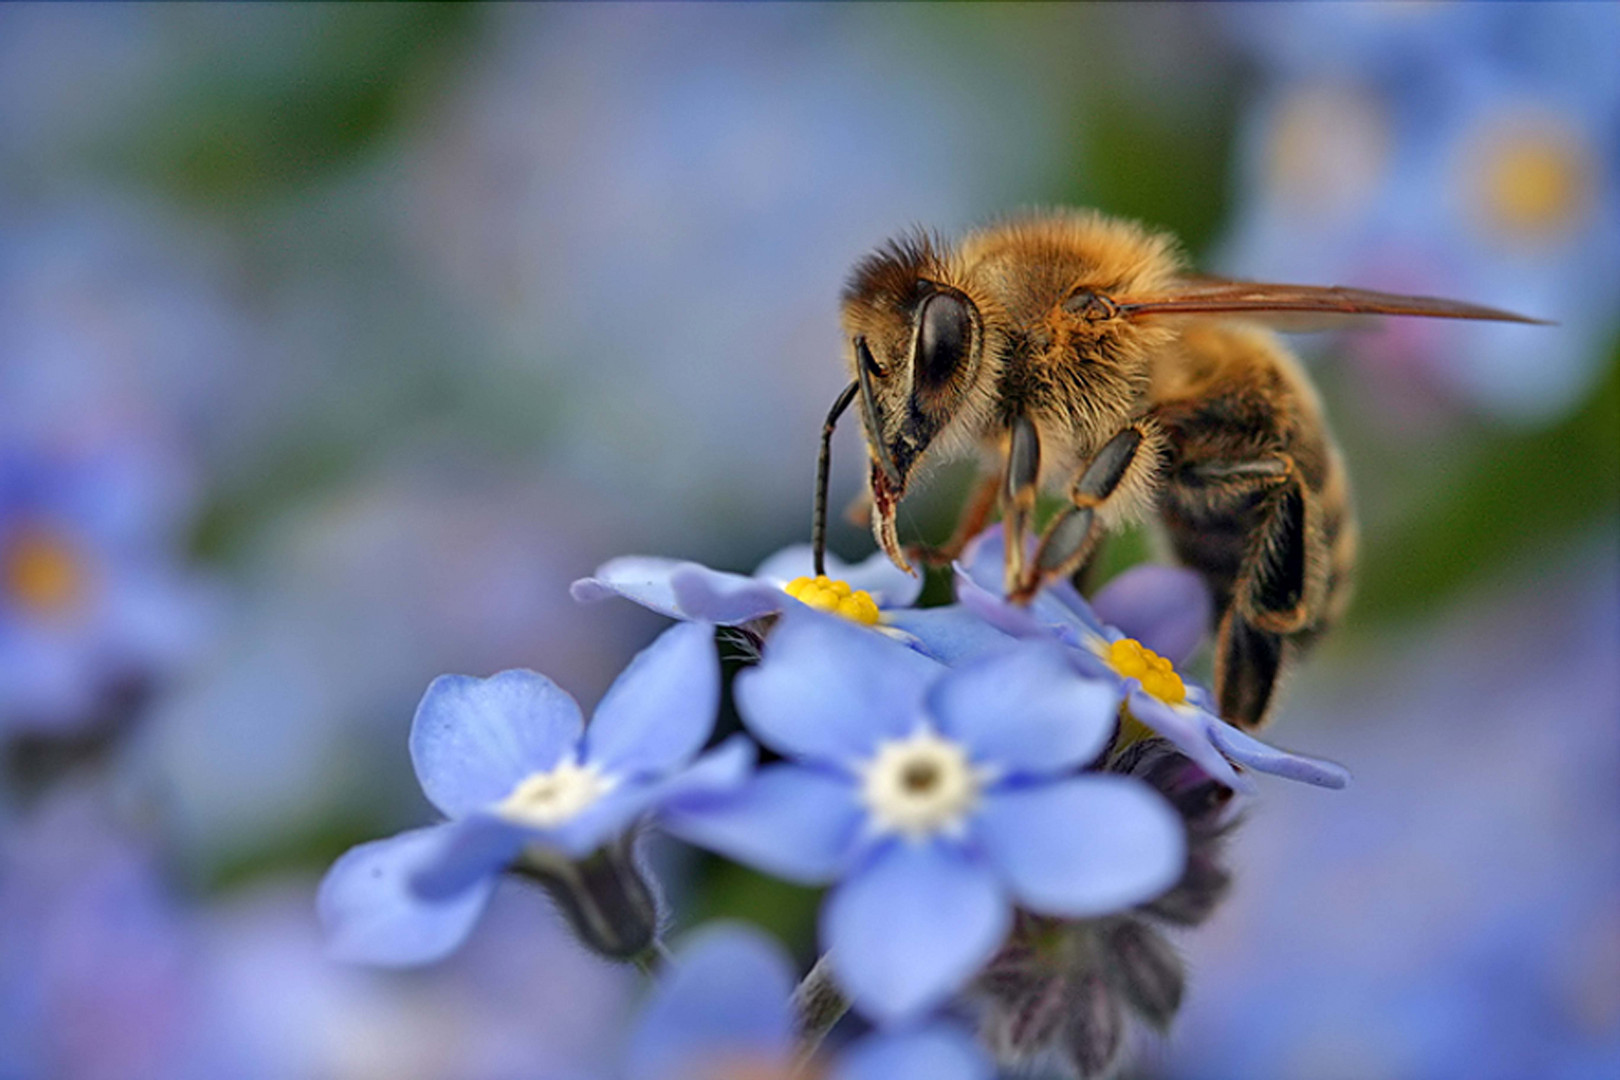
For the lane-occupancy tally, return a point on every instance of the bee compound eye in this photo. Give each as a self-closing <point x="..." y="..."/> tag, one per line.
<point x="944" y="336"/>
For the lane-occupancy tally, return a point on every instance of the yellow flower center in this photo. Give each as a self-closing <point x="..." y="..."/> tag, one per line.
<point x="829" y="594"/>
<point x="41" y="573"/>
<point x="1158" y="677"/>
<point x="547" y="799"/>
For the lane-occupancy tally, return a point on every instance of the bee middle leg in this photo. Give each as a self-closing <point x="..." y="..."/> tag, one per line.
<point x="1122" y="471"/>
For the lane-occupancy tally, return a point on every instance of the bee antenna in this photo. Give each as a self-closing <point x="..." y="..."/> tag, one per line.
<point x="818" y="525"/>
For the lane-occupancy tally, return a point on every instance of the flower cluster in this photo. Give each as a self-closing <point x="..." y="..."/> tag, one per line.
<point x="1007" y="802"/>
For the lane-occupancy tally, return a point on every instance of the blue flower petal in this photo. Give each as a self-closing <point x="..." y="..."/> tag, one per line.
<point x="608" y="817"/>
<point x="474" y="739"/>
<point x="1166" y="608"/>
<point x="792" y="822"/>
<point x="1026" y="710"/>
<point x="936" y="1052"/>
<point x="712" y="776"/>
<point x="728" y="599"/>
<point x="950" y="634"/>
<point x="889" y="586"/>
<point x="912" y="926"/>
<point x="1246" y="750"/>
<point x="469" y="850"/>
<point x="642" y="579"/>
<point x="829" y="690"/>
<point x="1187" y="728"/>
<point x="723" y="1001"/>
<point x="371" y="915"/>
<point x="660" y="710"/>
<point x="1085" y="846"/>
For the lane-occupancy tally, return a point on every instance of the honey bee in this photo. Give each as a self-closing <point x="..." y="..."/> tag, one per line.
<point x="1074" y="350"/>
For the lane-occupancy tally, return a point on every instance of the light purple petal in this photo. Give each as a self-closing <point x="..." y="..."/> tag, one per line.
<point x="1026" y="710"/>
<point x="724" y="1000"/>
<point x="829" y="690"/>
<point x="936" y="1052"/>
<point x="1085" y="846"/>
<point x="1166" y="608"/>
<point x="474" y="739"/>
<point x="1248" y="751"/>
<point x="984" y="559"/>
<point x="1187" y="729"/>
<point x="728" y="599"/>
<point x="372" y="916"/>
<point x="890" y="586"/>
<point x="468" y="851"/>
<point x="949" y="634"/>
<point x="912" y="926"/>
<point x="789" y="821"/>
<point x="608" y="817"/>
<point x="712" y="776"/>
<point x="643" y="579"/>
<point x="660" y="710"/>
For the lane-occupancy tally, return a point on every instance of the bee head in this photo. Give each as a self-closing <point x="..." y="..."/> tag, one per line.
<point x="916" y="344"/>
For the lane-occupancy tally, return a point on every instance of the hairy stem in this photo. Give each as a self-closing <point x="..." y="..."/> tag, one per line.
<point x="818" y="1004"/>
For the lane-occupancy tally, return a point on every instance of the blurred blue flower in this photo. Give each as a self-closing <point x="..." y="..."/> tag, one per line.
<point x="509" y="761"/>
<point x="1166" y="606"/>
<point x="1474" y="152"/>
<point x="724" y="1010"/>
<point x="94" y="596"/>
<point x="96" y="955"/>
<point x="689" y="590"/>
<point x="936" y="797"/>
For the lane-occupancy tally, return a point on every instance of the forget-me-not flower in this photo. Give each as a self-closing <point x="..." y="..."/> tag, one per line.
<point x="692" y="591"/>
<point x="510" y="762"/>
<point x="937" y="798"/>
<point x="1156" y="695"/>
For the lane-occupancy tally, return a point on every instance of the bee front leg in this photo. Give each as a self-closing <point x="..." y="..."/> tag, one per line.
<point x="1018" y="497"/>
<point x="1122" y="473"/>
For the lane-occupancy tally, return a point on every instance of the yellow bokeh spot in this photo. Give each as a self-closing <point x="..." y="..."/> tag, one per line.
<point x="41" y="573"/>
<point x="1157" y="675"/>
<point x="1533" y="183"/>
<point x="829" y="594"/>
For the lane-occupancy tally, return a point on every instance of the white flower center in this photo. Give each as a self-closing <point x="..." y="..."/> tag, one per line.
<point x="920" y="785"/>
<point x="545" y="800"/>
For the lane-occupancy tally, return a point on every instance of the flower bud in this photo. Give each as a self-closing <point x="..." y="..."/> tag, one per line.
<point x="606" y="897"/>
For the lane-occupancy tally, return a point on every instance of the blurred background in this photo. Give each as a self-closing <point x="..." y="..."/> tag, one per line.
<point x="336" y="341"/>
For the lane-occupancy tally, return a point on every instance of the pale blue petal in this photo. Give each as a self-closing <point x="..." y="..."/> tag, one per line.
<point x="948" y="634"/>
<point x="888" y="585"/>
<point x="725" y="999"/>
<point x="713" y="775"/>
<point x="1187" y="729"/>
<point x="474" y="739"/>
<point x="984" y="559"/>
<point x="936" y="1052"/>
<point x="1019" y="622"/>
<point x="1084" y="846"/>
<point x="717" y="596"/>
<point x="660" y="710"/>
<point x="1166" y="608"/>
<point x="643" y="579"/>
<point x="1026" y="710"/>
<point x="372" y="916"/>
<point x="829" y="690"/>
<point x="468" y="850"/>
<point x="912" y="926"/>
<point x="607" y="818"/>
<point x="791" y="822"/>
<point x="1248" y="751"/>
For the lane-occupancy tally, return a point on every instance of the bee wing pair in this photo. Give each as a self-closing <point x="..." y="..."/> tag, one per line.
<point x="1304" y="308"/>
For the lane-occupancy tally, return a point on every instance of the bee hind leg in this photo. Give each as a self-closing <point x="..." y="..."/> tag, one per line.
<point x="1269" y="605"/>
<point x="1070" y="538"/>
